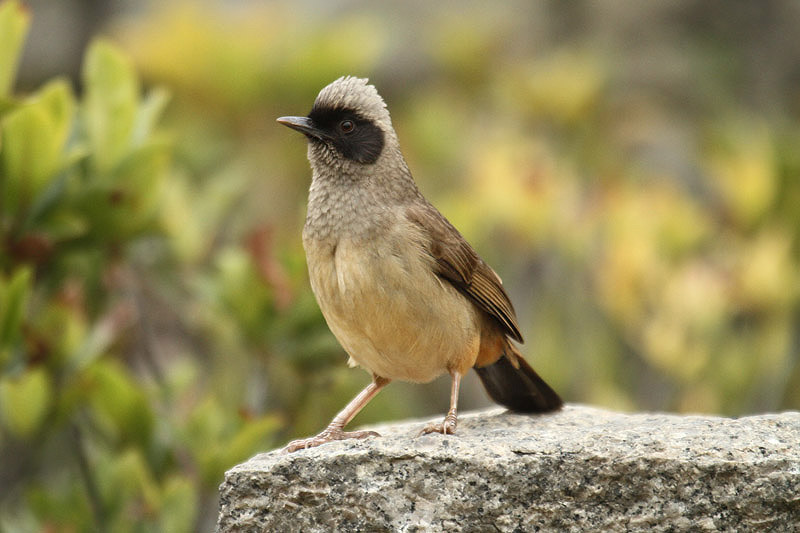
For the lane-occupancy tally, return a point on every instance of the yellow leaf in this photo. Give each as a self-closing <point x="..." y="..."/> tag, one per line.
<point x="112" y="96"/>
<point x="25" y="401"/>
<point x="14" y="22"/>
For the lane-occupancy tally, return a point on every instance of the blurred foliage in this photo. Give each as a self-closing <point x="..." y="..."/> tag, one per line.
<point x="156" y="324"/>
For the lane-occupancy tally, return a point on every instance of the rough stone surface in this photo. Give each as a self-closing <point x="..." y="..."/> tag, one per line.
<point x="581" y="469"/>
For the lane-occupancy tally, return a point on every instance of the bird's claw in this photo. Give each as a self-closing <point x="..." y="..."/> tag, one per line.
<point x="445" y="427"/>
<point x="328" y="435"/>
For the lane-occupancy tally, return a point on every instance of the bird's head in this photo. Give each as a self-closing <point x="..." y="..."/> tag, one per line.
<point x="348" y="124"/>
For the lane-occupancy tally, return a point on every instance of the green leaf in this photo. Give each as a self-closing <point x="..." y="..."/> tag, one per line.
<point x="124" y="479"/>
<point x="94" y="345"/>
<point x="13" y="298"/>
<point x="31" y="153"/>
<point x="62" y="329"/>
<point x="247" y="441"/>
<point x="64" y="225"/>
<point x="25" y="401"/>
<point x="57" y="98"/>
<point x="14" y="22"/>
<point x="150" y="111"/>
<point x="142" y="173"/>
<point x="7" y="104"/>
<point x="112" y="93"/>
<point x="178" y="504"/>
<point x="125" y="204"/>
<point x="219" y="440"/>
<point x="119" y="404"/>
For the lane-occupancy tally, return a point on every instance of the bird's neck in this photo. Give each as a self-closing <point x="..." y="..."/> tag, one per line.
<point x="356" y="203"/>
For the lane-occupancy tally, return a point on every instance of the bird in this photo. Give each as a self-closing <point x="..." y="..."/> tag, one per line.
<point x="404" y="293"/>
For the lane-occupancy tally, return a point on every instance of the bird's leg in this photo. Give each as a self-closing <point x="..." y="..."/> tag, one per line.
<point x="334" y="431"/>
<point x="448" y="425"/>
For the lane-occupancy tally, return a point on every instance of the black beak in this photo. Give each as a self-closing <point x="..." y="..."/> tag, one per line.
<point x="304" y="125"/>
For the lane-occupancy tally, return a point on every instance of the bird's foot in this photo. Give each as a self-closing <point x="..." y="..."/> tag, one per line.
<point x="329" y="435"/>
<point x="445" y="427"/>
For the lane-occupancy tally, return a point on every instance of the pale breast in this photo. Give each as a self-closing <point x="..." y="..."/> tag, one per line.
<point x="389" y="311"/>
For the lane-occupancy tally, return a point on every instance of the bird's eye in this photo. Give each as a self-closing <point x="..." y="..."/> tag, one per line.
<point x="347" y="126"/>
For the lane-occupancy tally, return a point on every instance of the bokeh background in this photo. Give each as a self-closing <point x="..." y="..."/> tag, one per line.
<point x="631" y="169"/>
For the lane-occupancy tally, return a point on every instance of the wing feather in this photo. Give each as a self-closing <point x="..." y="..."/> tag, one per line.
<point x="458" y="263"/>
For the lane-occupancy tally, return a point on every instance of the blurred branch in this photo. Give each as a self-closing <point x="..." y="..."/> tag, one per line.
<point x="89" y="484"/>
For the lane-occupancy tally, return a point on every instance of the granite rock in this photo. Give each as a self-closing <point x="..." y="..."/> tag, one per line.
<point x="580" y="469"/>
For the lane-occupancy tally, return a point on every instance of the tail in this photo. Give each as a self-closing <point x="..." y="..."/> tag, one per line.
<point x="520" y="389"/>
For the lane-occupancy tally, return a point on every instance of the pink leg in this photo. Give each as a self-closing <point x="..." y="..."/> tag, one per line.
<point x="334" y="431"/>
<point x="448" y="425"/>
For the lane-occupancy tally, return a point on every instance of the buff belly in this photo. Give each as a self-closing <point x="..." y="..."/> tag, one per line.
<point x="390" y="312"/>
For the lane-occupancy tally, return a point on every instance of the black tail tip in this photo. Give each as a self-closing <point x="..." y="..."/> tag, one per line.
<point x="520" y="389"/>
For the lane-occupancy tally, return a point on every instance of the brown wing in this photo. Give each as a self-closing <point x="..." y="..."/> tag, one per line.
<point x="459" y="264"/>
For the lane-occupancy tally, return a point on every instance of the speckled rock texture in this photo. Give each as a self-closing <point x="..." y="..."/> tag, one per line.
<point x="581" y="469"/>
